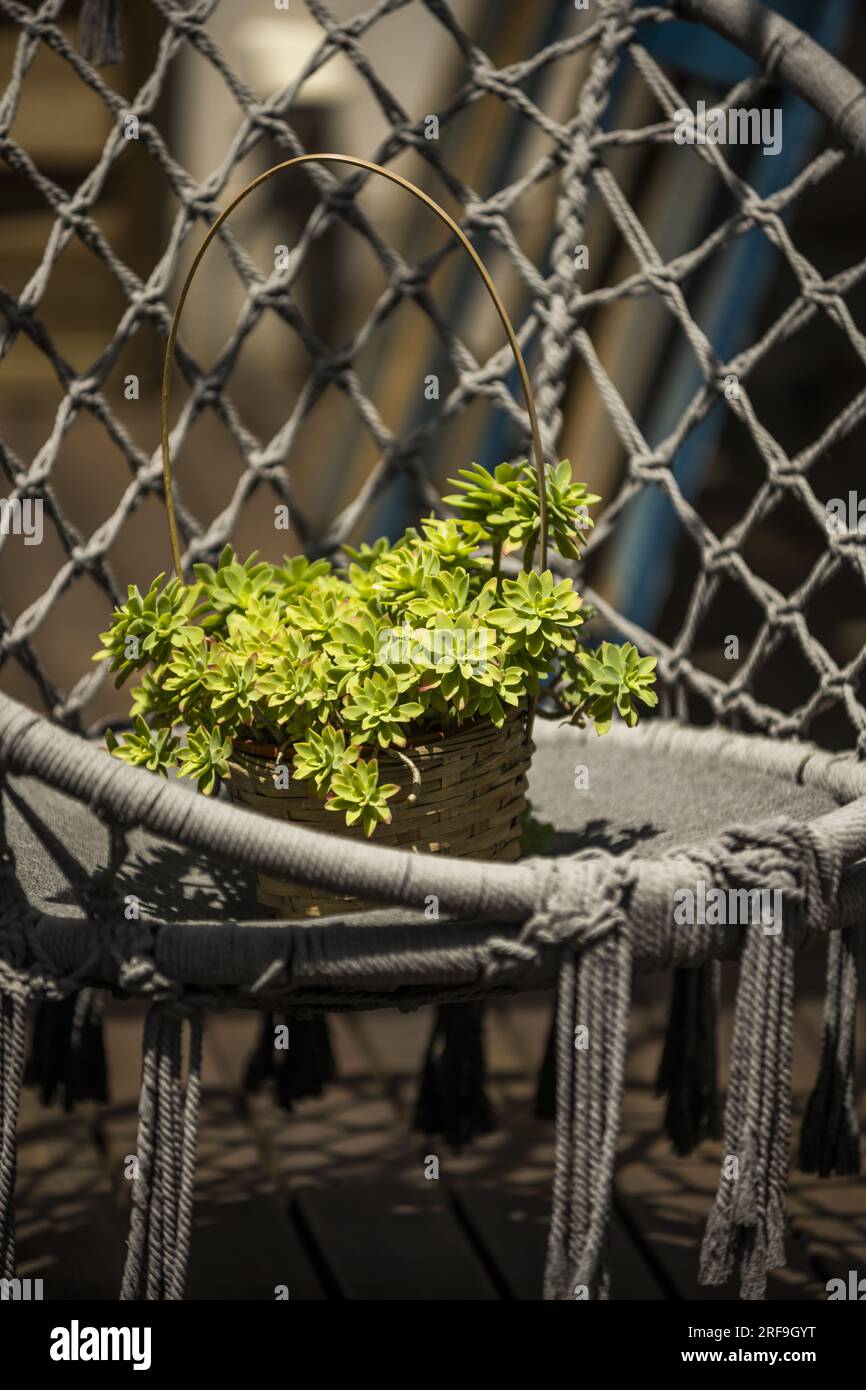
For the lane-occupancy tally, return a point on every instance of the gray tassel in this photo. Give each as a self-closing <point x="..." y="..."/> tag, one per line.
<point x="161" y="1222"/>
<point x="747" y="1223"/>
<point x="746" y="1226"/>
<point x="13" y="1027"/>
<point x="99" y="34"/>
<point x="594" y="991"/>
<point x="830" y="1136"/>
<point x="583" y="910"/>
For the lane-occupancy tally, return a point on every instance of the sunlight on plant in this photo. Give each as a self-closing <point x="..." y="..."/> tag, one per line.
<point x="332" y="665"/>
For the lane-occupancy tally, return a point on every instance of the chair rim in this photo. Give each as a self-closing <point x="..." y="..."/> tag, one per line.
<point x="782" y="49"/>
<point x="31" y="745"/>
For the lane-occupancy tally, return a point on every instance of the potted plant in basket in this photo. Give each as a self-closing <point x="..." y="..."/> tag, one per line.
<point x="389" y="697"/>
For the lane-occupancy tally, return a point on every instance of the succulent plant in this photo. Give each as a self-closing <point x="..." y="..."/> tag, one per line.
<point x="332" y="665"/>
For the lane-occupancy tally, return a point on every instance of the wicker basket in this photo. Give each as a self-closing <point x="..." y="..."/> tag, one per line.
<point x="467" y="802"/>
<point x="467" y="793"/>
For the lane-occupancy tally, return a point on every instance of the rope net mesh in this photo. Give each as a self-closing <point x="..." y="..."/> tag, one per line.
<point x="557" y="333"/>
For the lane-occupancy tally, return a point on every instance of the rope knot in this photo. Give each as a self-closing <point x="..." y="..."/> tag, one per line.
<point x="719" y="556"/>
<point x="648" y="466"/>
<point x="412" y="281"/>
<point x="579" y="898"/>
<point x="788" y="856"/>
<point x="333" y="369"/>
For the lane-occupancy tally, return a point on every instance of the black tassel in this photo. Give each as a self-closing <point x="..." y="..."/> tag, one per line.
<point x="308" y="1062"/>
<point x="302" y="1069"/>
<point x="262" y="1064"/>
<point x="687" y="1074"/>
<point x="67" y="1052"/>
<point x="99" y="36"/>
<point x="545" y="1095"/>
<point x="830" y="1135"/>
<point x="452" y="1100"/>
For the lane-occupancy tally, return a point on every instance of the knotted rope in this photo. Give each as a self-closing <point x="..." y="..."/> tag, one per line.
<point x="586" y="909"/>
<point x="747" y="1223"/>
<point x="687" y="1075"/>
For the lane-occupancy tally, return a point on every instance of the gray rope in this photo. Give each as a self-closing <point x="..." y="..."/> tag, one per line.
<point x="161" y="1219"/>
<point x="747" y="1223"/>
<point x="128" y="796"/>
<point x="590" y="913"/>
<point x="784" y="51"/>
<point x="594" y="994"/>
<point x="12" y="1038"/>
<point x="595" y="915"/>
<point x="562" y="312"/>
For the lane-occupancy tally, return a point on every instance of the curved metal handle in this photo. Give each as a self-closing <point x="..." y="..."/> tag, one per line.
<point x="465" y="243"/>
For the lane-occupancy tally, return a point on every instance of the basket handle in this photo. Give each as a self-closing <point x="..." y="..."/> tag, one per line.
<point x="465" y="243"/>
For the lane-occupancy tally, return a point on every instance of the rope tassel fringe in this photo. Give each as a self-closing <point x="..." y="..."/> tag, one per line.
<point x="687" y="1074"/>
<point x="99" y="34"/>
<point x="830" y="1136"/>
<point x="583" y="911"/>
<point x="452" y="1097"/>
<point x="67" y="1052"/>
<point x="746" y="1226"/>
<point x="595" y="993"/>
<point x="13" y="1023"/>
<point x="302" y="1069"/>
<point x="160" y="1227"/>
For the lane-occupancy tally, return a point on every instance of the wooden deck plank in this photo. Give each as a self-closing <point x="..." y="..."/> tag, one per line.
<point x="244" y="1244"/>
<point x="69" y="1232"/>
<point x="356" y="1172"/>
<point x="662" y="1201"/>
<point x="667" y="1199"/>
<point x="500" y="1185"/>
<point x="393" y="1239"/>
<point x="508" y="1207"/>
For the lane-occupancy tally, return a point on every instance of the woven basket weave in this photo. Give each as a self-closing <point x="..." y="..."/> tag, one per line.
<point x="467" y="803"/>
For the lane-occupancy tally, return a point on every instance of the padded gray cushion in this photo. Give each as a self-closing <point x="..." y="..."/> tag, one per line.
<point x="642" y="799"/>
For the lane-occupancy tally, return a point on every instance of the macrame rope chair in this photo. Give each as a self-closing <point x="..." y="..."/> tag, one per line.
<point x="759" y="811"/>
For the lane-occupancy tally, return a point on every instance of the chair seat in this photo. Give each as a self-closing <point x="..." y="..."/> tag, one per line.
<point x="622" y="793"/>
<point x="644" y="798"/>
